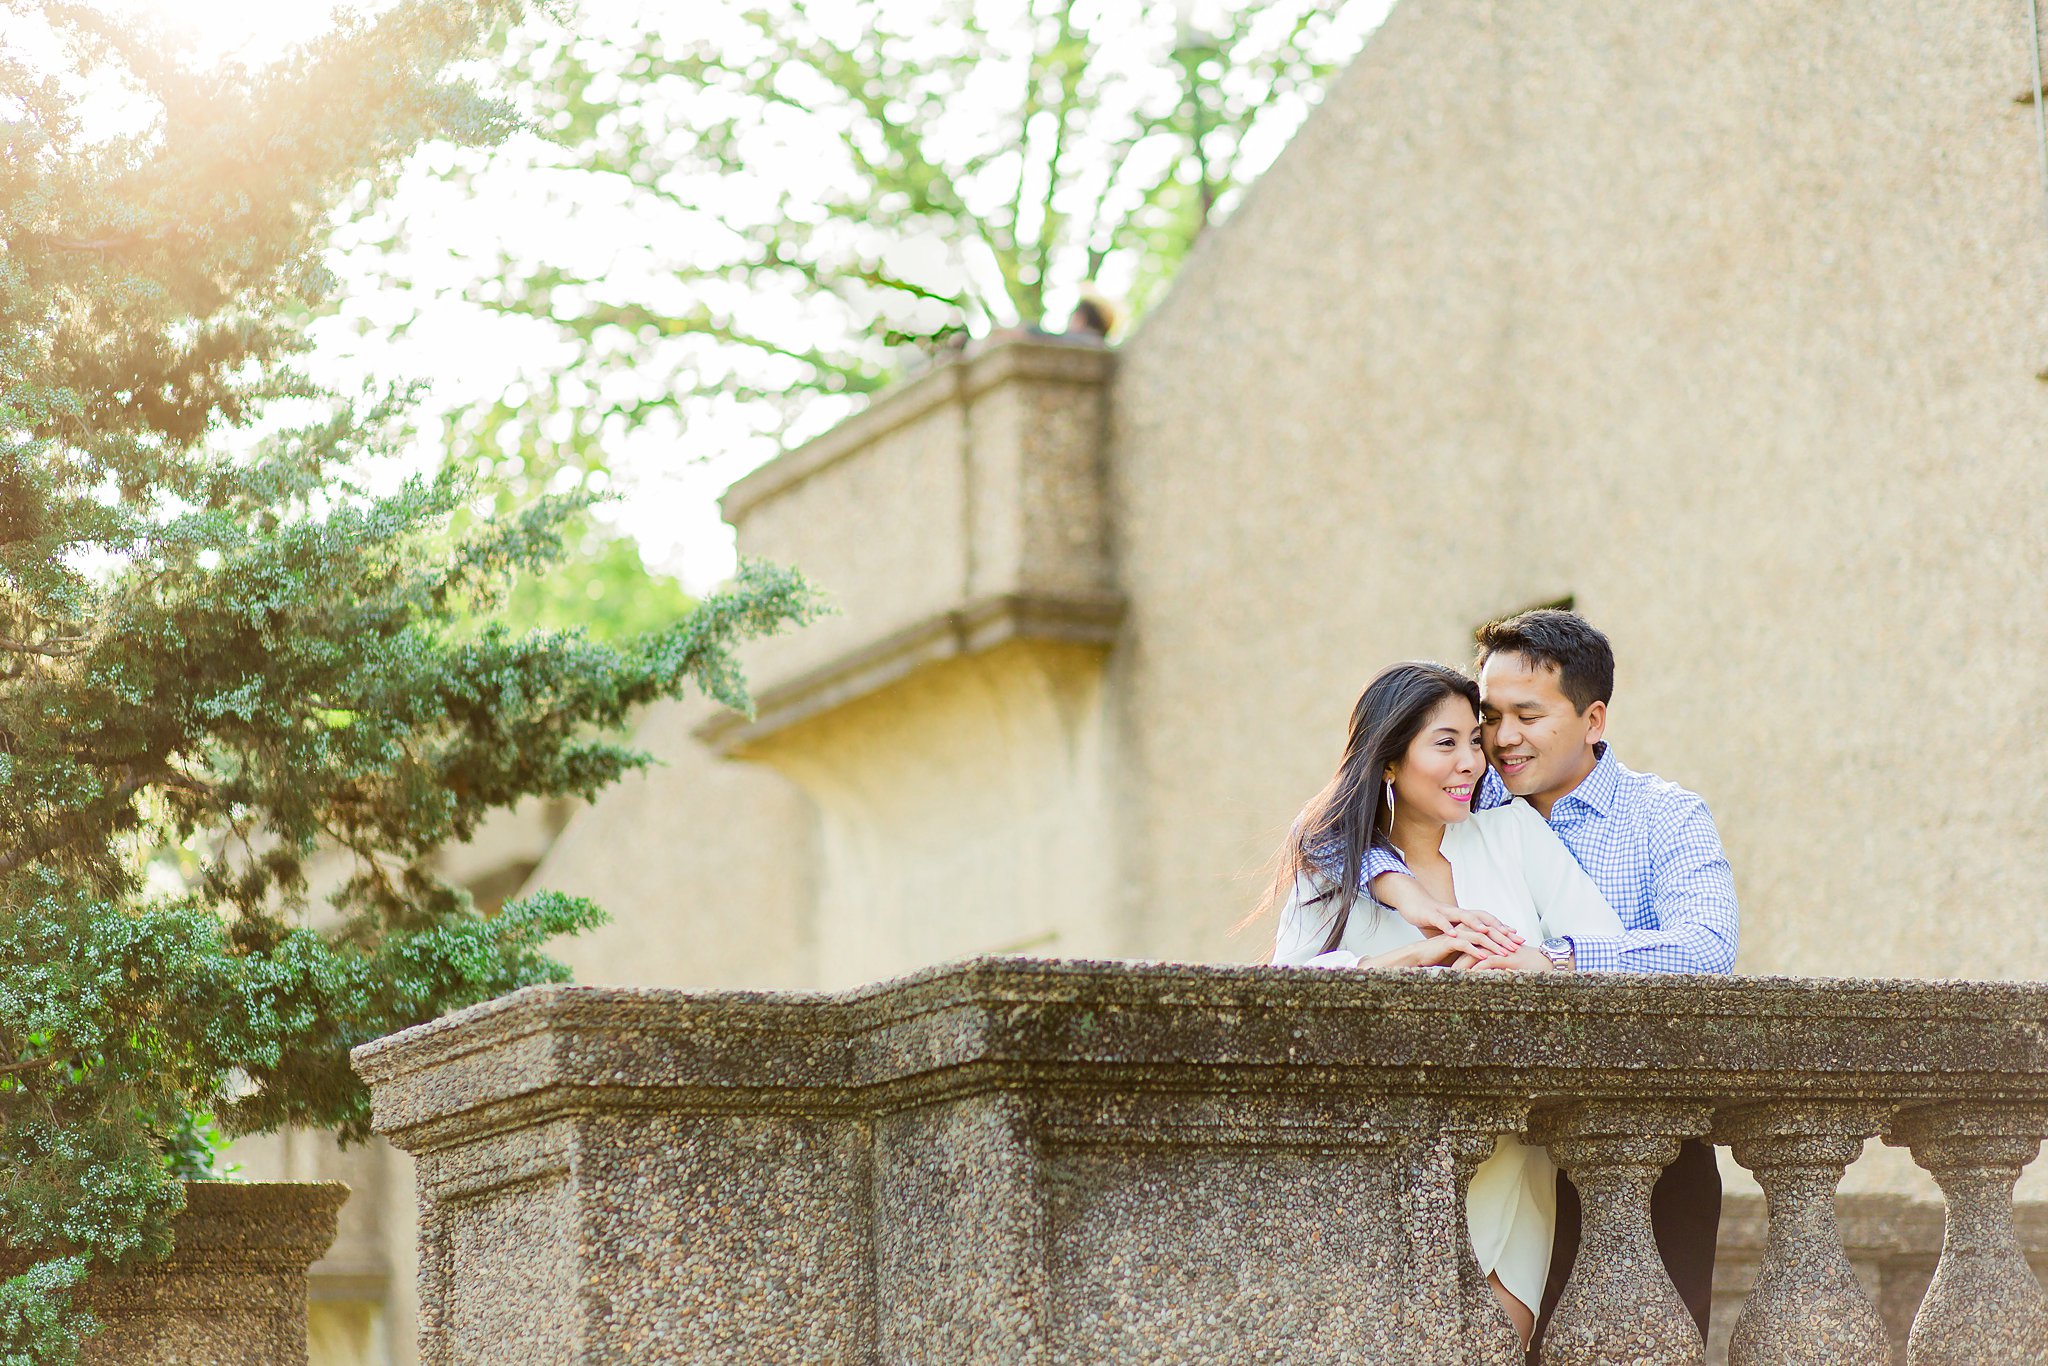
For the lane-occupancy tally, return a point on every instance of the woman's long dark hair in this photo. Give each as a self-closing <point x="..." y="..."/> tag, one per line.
<point x="1350" y="815"/>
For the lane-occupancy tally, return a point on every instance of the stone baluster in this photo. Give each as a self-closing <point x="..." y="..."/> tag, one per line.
<point x="1808" y="1308"/>
<point x="1619" y="1305"/>
<point x="1490" y="1339"/>
<point x="1986" y="1305"/>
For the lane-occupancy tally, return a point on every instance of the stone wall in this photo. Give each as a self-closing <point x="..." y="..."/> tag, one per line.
<point x="359" y="1291"/>
<point x="1008" y="1161"/>
<point x="1893" y="1242"/>
<point x="234" y="1291"/>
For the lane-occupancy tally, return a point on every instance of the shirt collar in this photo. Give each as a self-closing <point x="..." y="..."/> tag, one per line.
<point x="1596" y="790"/>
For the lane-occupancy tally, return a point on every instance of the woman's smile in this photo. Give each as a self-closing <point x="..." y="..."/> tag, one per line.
<point x="1436" y="780"/>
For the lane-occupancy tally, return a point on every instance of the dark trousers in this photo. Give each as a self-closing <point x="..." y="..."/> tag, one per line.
<point x="1685" y="1212"/>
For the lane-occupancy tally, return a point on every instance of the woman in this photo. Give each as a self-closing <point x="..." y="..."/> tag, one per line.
<point x="1411" y="769"/>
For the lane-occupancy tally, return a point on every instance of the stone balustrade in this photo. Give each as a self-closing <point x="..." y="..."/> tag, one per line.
<point x="1017" y="1161"/>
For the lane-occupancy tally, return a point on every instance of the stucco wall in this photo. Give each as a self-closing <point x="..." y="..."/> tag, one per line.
<point x="1724" y="319"/>
<point x="884" y="533"/>
<point x="961" y="811"/>
<point x="981" y="477"/>
<point x="707" y="868"/>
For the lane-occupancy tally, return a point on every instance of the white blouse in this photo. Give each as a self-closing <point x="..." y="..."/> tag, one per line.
<point x="1509" y="861"/>
<point x="1506" y="860"/>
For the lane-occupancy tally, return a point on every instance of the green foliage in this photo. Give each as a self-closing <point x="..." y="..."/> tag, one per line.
<point x="599" y="583"/>
<point x="601" y="587"/>
<point x="193" y="1149"/>
<point x="38" y="1324"/>
<point x="834" y="193"/>
<point x="227" y="630"/>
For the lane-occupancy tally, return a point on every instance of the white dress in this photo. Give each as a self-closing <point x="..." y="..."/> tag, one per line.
<point x="1508" y="861"/>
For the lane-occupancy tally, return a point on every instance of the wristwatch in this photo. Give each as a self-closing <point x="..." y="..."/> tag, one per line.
<point x="1559" y="952"/>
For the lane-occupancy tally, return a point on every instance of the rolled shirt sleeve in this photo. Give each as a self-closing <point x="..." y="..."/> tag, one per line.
<point x="1691" y="902"/>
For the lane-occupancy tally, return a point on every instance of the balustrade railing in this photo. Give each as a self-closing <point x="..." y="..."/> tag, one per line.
<point x="1016" y="1161"/>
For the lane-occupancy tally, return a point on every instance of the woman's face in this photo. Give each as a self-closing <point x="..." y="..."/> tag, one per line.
<point x="1439" y="774"/>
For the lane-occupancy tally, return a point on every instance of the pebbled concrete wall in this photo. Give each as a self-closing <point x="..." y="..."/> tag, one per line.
<point x="233" y="1292"/>
<point x="1012" y="1160"/>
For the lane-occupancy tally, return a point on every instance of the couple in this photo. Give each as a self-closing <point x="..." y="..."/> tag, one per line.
<point x="1555" y="858"/>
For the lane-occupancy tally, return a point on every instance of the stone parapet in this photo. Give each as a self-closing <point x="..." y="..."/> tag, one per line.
<point x="234" y="1290"/>
<point x="1014" y="1161"/>
<point x="962" y="510"/>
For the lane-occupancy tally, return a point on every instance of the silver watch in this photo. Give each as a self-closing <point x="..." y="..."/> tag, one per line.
<point x="1559" y="952"/>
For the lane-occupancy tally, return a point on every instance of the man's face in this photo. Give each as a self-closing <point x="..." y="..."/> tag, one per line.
<point x="1539" y="742"/>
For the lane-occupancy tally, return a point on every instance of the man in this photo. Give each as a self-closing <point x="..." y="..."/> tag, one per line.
<point x="1545" y="680"/>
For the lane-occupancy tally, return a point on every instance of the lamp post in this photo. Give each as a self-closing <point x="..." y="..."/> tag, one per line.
<point x="1192" y="46"/>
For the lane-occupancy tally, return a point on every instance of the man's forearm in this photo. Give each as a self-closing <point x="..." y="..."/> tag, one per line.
<point x="1692" y="898"/>
<point x="1690" y="948"/>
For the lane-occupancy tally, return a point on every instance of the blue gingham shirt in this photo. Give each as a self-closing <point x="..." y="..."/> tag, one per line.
<point x="1651" y="848"/>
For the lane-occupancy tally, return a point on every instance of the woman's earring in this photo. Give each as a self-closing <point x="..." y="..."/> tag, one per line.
<point x="1390" y="803"/>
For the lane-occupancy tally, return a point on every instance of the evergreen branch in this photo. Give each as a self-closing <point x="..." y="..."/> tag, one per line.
<point x="79" y="826"/>
<point x="26" y="1065"/>
<point x="110" y="243"/>
<point x="51" y="650"/>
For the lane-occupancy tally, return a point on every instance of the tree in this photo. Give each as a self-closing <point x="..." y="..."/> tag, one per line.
<point x="822" y="196"/>
<point x="228" y="625"/>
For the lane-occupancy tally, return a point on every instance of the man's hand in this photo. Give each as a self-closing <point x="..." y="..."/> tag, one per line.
<point x="1524" y="959"/>
<point x="1488" y="933"/>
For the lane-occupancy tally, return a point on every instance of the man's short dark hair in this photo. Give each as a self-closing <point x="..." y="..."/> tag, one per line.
<point x="1564" y="640"/>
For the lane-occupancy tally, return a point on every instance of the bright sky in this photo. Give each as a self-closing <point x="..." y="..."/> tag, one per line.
<point x="250" y="30"/>
<point x="671" y="480"/>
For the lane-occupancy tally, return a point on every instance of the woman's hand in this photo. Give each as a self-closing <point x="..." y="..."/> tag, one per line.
<point x="1435" y="951"/>
<point x="1416" y="906"/>
<point x="1460" y="946"/>
<point x="1524" y="959"/>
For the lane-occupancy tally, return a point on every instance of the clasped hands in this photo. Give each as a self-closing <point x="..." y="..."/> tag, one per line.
<point x="1460" y="937"/>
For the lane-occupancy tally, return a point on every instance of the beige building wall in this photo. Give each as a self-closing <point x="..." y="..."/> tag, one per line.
<point x="926" y="777"/>
<point x="706" y="867"/>
<point x="961" y="812"/>
<point x="1739" y="351"/>
<point x="1723" y="319"/>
